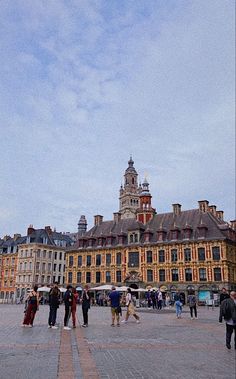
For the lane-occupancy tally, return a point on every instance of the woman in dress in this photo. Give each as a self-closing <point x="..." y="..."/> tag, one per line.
<point x="32" y="307"/>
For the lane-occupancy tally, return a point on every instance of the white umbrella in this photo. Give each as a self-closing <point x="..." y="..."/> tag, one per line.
<point x="79" y="289"/>
<point x="138" y="290"/>
<point x="44" y="289"/>
<point x="122" y="289"/>
<point x="62" y="289"/>
<point x="104" y="287"/>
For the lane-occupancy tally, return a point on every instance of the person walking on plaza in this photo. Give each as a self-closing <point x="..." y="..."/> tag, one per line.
<point x="32" y="307"/>
<point x="153" y="298"/>
<point x="74" y="306"/>
<point x="192" y="302"/>
<point x="224" y="295"/>
<point x="159" y="302"/>
<point x="54" y="301"/>
<point x="85" y="305"/>
<point x="130" y="308"/>
<point x="114" y="298"/>
<point x="228" y="312"/>
<point x="178" y="305"/>
<point x="68" y="298"/>
<point x="167" y="301"/>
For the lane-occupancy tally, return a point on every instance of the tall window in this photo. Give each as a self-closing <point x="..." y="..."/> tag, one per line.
<point x="162" y="275"/>
<point x="202" y="275"/>
<point x="174" y="255"/>
<point x="217" y="274"/>
<point x="149" y="256"/>
<point x="201" y="254"/>
<point x="133" y="259"/>
<point x="149" y="275"/>
<point x="161" y="255"/>
<point x="118" y="258"/>
<point x="108" y="259"/>
<point x="188" y="275"/>
<point x="108" y="277"/>
<point x="98" y="261"/>
<point x="118" y="276"/>
<point x="216" y="253"/>
<point x="78" y="277"/>
<point x="175" y="275"/>
<point x="88" y="262"/>
<point x="69" y="277"/>
<point x="71" y="260"/>
<point x="88" y="277"/>
<point x="98" y="276"/>
<point x="79" y="260"/>
<point x="187" y="255"/>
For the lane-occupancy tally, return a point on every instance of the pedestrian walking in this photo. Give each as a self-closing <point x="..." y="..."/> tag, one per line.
<point x="32" y="307"/>
<point x="178" y="305"/>
<point x="228" y="312"/>
<point x="54" y="301"/>
<point x="85" y="305"/>
<point x="74" y="306"/>
<point x="159" y="302"/>
<point x="167" y="301"/>
<point x="68" y="298"/>
<point x="114" y="298"/>
<point x="153" y="298"/>
<point x="130" y="308"/>
<point x="192" y="302"/>
<point x="224" y="295"/>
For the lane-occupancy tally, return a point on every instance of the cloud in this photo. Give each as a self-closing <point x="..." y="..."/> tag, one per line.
<point x="85" y="84"/>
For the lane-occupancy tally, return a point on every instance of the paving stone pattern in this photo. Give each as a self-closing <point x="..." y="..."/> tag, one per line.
<point x="161" y="346"/>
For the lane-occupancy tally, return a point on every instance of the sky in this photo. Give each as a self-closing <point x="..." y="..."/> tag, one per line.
<point x="85" y="84"/>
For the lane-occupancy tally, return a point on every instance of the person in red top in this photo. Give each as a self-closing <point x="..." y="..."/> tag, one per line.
<point x="73" y="307"/>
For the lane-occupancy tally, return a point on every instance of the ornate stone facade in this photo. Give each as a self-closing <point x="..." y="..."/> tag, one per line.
<point x="192" y="249"/>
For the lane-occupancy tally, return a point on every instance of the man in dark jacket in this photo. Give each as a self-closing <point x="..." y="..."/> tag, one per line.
<point x="228" y="312"/>
<point x="54" y="300"/>
<point x="68" y="299"/>
<point x="224" y="295"/>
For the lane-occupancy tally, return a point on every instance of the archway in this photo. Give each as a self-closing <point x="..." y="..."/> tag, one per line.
<point x="134" y="286"/>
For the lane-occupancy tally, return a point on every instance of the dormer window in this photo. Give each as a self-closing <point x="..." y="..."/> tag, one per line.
<point x="174" y="234"/>
<point x="133" y="237"/>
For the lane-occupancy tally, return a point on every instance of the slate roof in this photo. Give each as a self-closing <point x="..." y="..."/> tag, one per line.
<point x="193" y="219"/>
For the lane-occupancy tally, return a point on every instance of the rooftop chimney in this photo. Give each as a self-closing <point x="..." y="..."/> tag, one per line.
<point x="233" y="224"/>
<point x="48" y="229"/>
<point x="16" y="236"/>
<point x="176" y="209"/>
<point x="5" y="238"/>
<point x="212" y="209"/>
<point x="220" y="215"/>
<point x="203" y="205"/>
<point x="30" y="230"/>
<point x="117" y="216"/>
<point x="98" y="220"/>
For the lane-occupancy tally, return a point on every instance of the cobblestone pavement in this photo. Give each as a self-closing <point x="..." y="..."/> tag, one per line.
<point x="161" y="346"/>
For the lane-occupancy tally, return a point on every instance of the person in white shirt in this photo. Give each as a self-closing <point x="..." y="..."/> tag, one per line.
<point x="130" y="308"/>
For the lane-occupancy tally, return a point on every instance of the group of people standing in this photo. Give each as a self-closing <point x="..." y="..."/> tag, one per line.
<point x="70" y="301"/>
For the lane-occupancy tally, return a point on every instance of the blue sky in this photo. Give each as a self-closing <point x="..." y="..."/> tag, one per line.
<point x="84" y="84"/>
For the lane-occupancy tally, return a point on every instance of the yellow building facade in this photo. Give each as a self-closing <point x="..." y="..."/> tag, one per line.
<point x="185" y="250"/>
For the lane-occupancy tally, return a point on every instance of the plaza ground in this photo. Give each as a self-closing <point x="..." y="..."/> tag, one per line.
<point x="161" y="346"/>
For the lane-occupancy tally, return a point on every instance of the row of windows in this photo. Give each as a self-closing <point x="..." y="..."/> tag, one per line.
<point x="162" y="275"/>
<point x="134" y="257"/>
<point x="188" y="275"/>
<point x="8" y="261"/>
